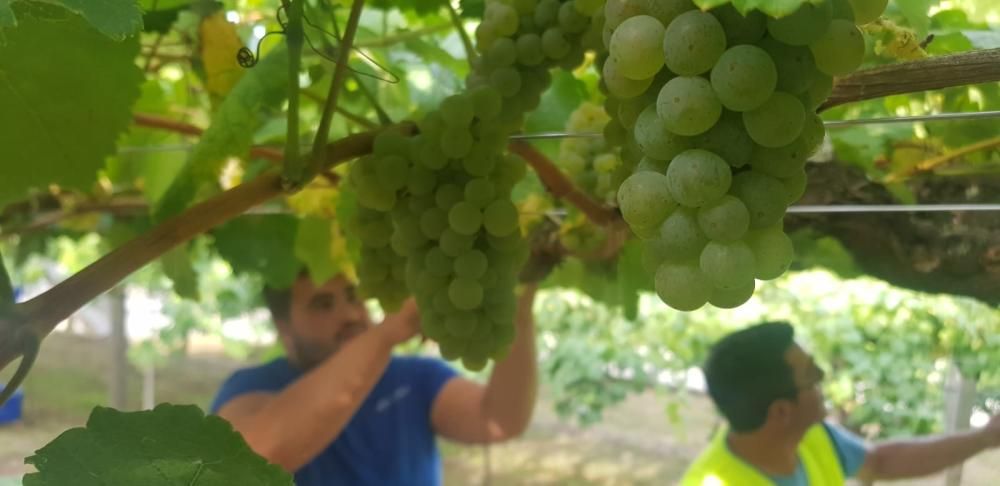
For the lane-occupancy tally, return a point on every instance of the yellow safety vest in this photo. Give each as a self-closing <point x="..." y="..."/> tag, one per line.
<point x="717" y="466"/>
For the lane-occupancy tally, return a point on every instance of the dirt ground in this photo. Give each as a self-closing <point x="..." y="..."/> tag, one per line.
<point x="635" y="444"/>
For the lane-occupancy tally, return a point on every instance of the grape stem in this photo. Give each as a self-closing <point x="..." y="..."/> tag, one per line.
<point x="937" y="161"/>
<point x="295" y="37"/>
<point x="340" y="73"/>
<point x="153" y="121"/>
<point x="561" y="187"/>
<point x="939" y="72"/>
<point x="40" y="315"/>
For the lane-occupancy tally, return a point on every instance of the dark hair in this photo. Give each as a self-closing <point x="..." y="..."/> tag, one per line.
<point x="746" y="372"/>
<point x="278" y="301"/>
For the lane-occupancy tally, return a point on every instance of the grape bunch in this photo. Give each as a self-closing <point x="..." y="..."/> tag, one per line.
<point x="435" y="215"/>
<point x="595" y="166"/>
<point x="720" y="111"/>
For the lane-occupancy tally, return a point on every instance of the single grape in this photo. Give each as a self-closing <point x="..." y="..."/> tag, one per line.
<point x="693" y="43"/>
<point x="454" y="244"/>
<point x="571" y="20"/>
<point x="636" y="45"/>
<point x="616" y="11"/>
<point x="841" y="49"/>
<point x="773" y="252"/>
<point x="688" y="106"/>
<point x="486" y="102"/>
<point x="436" y="262"/>
<point x="621" y="86"/>
<point x="529" y="50"/>
<point x="682" y="286"/>
<point x="448" y="195"/>
<point x="795" y="65"/>
<point x="465" y="293"/>
<point x="724" y="220"/>
<point x="667" y="10"/>
<point x="777" y="122"/>
<point x="818" y="92"/>
<point x="764" y="196"/>
<point x="465" y="218"/>
<point x="728" y="139"/>
<point x="680" y="235"/>
<point x="744" y="78"/>
<point x="795" y="186"/>
<point x="554" y="43"/>
<point x="653" y="138"/>
<point x="433" y="222"/>
<point x="392" y="172"/>
<point x="740" y="29"/>
<point x="644" y="199"/>
<point x="804" y="26"/>
<point x="471" y="264"/>
<point x="506" y="80"/>
<point x="500" y="218"/>
<point x="727" y="265"/>
<point x="734" y="297"/>
<point x="697" y="177"/>
<point x="866" y="11"/>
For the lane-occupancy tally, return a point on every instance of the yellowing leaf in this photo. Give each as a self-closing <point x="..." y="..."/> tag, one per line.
<point x="219" y="45"/>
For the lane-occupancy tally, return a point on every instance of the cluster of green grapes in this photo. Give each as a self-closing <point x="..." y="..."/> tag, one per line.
<point x="436" y="219"/>
<point x="722" y="109"/>
<point x="595" y="166"/>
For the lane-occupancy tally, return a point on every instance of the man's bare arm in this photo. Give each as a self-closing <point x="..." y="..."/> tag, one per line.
<point x="291" y="427"/>
<point x="468" y="412"/>
<point x="923" y="457"/>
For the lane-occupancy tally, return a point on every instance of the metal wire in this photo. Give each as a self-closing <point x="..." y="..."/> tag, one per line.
<point x="891" y="208"/>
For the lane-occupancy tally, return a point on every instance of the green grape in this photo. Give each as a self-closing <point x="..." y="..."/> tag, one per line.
<point x="740" y="29"/>
<point x="795" y="65"/>
<point x="813" y="133"/>
<point x="486" y="102"/>
<point x="724" y="220"/>
<point x="431" y="156"/>
<point x="648" y="164"/>
<point x="688" y="106"/>
<point x="502" y="53"/>
<point x="503" y="17"/>
<point x="841" y="49"/>
<point x="377" y="198"/>
<point x="471" y="264"/>
<point x="432" y="125"/>
<point x="680" y="235"/>
<point x="617" y="11"/>
<point x="773" y="252"/>
<point x="479" y="192"/>
<point x="654" y="253"/>
<point x="866" y="11"/>
<point x="654" y="139"/>
<point x="589" y="7"/>
<point x="391" y="142"/>
<point x="554" y="44"/>
<point x="433" y="222"/>
<point x="505" y="244"/>
<point x="818" y="92"/>
<point x="697" y="177"/>
<point x="437" y="263"/>
<point x="529" y="50"/>
<point x="615" y="135"/>
<point x="547" y="13"/>
<point x="629" y="110"/>
<point x="782" y="161"/>
<point x="571" y="20"/>
<point x="457" y="111"/>
<point x="620" y="86"/>
<point x="456" y="141"/>
<point x="727" y="265"/>
<point x="795" y="186"/>
<point x="465" y="218"/>
<point x="667" y="10"/>
<point x="744" y="78"/>
<point x="465" y="293"/>
<point x="728" y="139"/>
<point x="509" y="172"/>
<point x="448" y="195"/>
<point x="392" y="172"/>
<point x="777" y="122"/>
<point x="486" y="34"/>
<point x="480" y="163"/>
<point x="636" y="45"/>
<point x="842" y="9"/>
<point x="605" y="163"/>
<point x="693" y="43"/>
<point x="682" y="286"/>
<point x="460" y="324"/>
<point x="734" y="297"/>
<point x="764" y="196"/>
<point x="454" y="243"/>
<point x="804" y="26"/>
<point x="523" y="7"/>
<point x="506" y="80"/>
<point x="421" y="182"/>
<point x="500" y="218"/>
<point x="644" y="199"/>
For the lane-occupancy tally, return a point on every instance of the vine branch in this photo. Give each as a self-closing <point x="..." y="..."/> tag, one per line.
<point x="153" y="121"/>
<point x="911" y="77"/>
<point x="561" y="187"/>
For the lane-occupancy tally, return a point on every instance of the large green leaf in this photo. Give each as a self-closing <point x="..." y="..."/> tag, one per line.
<point x="7" y="18"/>
<point x="170" y="445"/>
<point x="66" y="91"/>
<point x="258" y="93"/>
<point x="632" y="277"/>
<point x="159" y="15"/>
<point x="314" y="247"/>
<point x="261" y="244"/>
<point x="116" y="19"/>
<point x="178" y="268"/>
<point x="561" y="99"/>
<point x="916" y="12"/>
<point x="774" y="8"/>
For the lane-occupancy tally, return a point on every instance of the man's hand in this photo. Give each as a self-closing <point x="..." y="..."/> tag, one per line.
<point x="401" y="326"/>
<point x="992" y="432"/>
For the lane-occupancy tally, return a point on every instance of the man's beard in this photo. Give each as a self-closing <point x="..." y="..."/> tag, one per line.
<point x="308" y="355"/>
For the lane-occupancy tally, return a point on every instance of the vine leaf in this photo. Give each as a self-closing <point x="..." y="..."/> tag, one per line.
<point x="178" y="268"/>
<point x="314" y="247"/>
<point x="7" y="18"/>
<point x="46" y="68"/>
<point x="259" y="92"/>
<point x="774" y="8"/>
<point x="171" y="444"/>
<point x="261" y="244"/>
<point x="159" y="15"/>
<point x="116" y="19"/>
<point x="219" y="43"/>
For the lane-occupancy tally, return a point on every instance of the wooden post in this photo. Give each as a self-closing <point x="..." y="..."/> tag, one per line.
<point x="118" y="340"/>
<point x="960" y="394"/>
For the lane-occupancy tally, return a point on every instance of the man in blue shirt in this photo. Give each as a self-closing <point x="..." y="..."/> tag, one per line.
<point x="768" y="389"/>
<point x="342" y="410"/>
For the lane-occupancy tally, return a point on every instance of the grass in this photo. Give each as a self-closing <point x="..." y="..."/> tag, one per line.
<point x="635" y="444"/>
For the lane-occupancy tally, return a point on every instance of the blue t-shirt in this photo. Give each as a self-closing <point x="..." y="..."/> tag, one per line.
<point x="389" y="441"/>
<point x="850" y="449"/>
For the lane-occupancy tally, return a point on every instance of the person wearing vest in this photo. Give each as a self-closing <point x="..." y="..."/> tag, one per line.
<point x="768" y="389"/>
